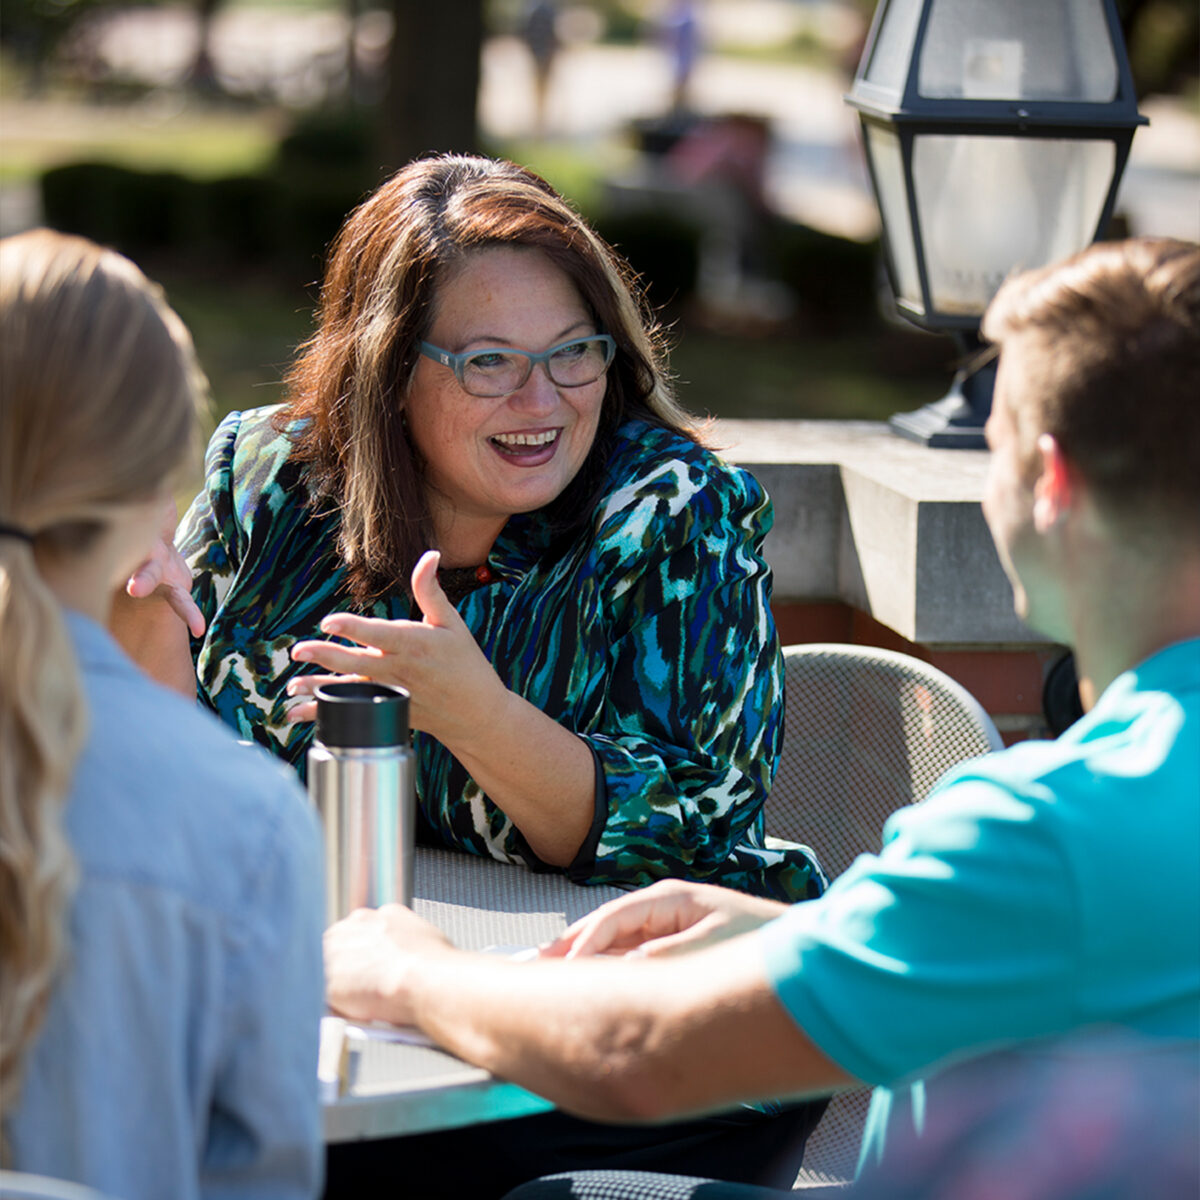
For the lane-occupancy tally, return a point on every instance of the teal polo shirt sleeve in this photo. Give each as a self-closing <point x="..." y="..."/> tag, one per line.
<point x="957" y="936"/>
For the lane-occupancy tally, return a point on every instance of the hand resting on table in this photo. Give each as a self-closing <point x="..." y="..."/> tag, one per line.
<point x="666" y="918"/>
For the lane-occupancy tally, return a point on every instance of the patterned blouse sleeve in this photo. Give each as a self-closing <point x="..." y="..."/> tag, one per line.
<point x="254" y="558"/>
<point x="690" y="736"/>
<point x="207" y="535"/>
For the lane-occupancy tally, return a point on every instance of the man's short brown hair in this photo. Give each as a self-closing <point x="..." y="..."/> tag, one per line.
<point x="1113" y="373"/>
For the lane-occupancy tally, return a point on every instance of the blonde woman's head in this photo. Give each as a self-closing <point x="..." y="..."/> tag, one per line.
<point x="99" y="390"/>
<point x="101" y="384"/>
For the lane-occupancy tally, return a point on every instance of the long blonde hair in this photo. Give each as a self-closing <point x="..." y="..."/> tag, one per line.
<point x="100" y="389"/>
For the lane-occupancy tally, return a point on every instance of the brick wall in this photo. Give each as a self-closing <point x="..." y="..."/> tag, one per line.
<point x="1007" y="681"/>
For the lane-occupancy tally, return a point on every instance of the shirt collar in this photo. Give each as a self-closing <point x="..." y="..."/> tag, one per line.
<point x="1174" y="668"/>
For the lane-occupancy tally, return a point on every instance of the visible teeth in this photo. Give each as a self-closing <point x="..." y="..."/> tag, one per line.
<point x="526" y="439"/>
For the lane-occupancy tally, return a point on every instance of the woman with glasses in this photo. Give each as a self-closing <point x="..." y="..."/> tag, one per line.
<point x="481" y="488"/>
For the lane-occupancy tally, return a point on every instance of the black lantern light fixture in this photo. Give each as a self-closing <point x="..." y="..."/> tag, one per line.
<point x="995" y="133"/>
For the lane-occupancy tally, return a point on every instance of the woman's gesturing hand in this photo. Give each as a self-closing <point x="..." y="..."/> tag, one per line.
<point x="166" y="576"/>
<point x="453" y="687"/>
<point x="667" y="917"/>
<point x="537" y="771"/>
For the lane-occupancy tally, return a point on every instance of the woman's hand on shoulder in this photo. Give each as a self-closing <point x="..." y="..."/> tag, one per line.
<point x="166" y="577"/>
<point x="152" y="614"/>
<point x="669" y="916"/>
<point x="453" y="687"/>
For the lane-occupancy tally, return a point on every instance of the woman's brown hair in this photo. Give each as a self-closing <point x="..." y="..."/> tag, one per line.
<point x="345" y="408"/>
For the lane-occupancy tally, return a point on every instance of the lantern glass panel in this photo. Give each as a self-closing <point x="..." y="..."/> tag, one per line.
<point x="1018" y="50"/>
<point x="887" y="168"/>
<point x="893" y="46"/>
<point x="991" y="205"/>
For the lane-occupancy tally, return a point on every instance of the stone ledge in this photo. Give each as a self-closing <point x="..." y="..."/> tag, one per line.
<point x="885" y="525"/>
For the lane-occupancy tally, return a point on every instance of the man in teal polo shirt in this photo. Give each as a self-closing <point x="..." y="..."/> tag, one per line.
<point x="1046" y="889"/>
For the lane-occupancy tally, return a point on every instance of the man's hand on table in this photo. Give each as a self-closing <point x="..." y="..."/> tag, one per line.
<point x="668" y="917"/>
<point x="366" y="958"/>
<point x="602" y="1037"/>
<point x="370" y="956"/>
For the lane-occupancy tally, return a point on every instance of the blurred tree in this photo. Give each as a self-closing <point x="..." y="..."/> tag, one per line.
<point x="1161" y="37"/>
<point x="432" y="89"/>
<point x="202" y="74"/>
<point x="32" y="30"/>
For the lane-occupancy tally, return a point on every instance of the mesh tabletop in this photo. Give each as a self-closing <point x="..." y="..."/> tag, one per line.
<point x="395" y="1087"/>
<point x="478" y="902"/>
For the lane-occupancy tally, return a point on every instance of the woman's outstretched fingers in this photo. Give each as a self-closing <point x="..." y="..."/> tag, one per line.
<point x="344" y="660"/>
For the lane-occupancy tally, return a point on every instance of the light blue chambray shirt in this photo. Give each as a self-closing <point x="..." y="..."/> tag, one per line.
<point x="178" y="1059"/>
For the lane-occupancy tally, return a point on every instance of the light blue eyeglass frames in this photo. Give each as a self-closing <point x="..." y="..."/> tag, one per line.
<point x="494" y="373"/>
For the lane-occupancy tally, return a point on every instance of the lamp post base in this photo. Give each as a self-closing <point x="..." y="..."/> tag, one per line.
<point x="955" y="421"/>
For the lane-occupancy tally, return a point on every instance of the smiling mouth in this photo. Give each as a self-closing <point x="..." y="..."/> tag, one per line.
<point x="525" y="445"/>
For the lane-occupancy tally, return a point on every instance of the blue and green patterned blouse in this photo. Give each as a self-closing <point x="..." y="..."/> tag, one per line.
<point x="650" y="636"/>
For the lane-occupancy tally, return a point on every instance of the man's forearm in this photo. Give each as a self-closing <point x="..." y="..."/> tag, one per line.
<point x="623" y="1040"/>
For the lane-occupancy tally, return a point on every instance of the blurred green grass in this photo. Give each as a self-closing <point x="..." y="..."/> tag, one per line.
<point x="247" y="323"/>
<point x="212" y="149"/>
<point x="864" y="376"/>
<point x="158" y="131"/>
<point x="246" y="333"/>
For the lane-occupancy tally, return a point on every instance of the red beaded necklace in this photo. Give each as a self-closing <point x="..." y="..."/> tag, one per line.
<point x="458" y="581"/>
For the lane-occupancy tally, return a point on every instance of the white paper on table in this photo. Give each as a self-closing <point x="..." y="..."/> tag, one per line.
<point x="516" y="953"/>
<point x="342" y="1044"/>
<point x="381" y="1031"/>
<point x="331" y="1058"/>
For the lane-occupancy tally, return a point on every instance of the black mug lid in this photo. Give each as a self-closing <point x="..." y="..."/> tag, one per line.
<point x="361" y="714"/>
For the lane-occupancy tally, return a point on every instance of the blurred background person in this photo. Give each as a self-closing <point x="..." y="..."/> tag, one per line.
<point x="679" y="35"/>
<point x="539" y="29"/>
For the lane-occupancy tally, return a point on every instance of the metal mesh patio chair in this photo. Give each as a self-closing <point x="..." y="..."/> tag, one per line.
<point x="867" y="731"/>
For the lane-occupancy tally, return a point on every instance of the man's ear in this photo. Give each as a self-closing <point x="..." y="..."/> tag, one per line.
<point x="1054" y="491"/>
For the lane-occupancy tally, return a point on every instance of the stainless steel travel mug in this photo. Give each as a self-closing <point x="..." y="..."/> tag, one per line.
<point x="360" y="777"/>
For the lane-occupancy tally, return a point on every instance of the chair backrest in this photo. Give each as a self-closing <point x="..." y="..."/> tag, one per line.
<point x="19" y="1185"/>
<point x="866" y="732"/>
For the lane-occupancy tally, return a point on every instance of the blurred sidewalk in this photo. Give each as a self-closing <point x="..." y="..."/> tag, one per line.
<point x="815" y="171"/>
<point x="815" y="174"/>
